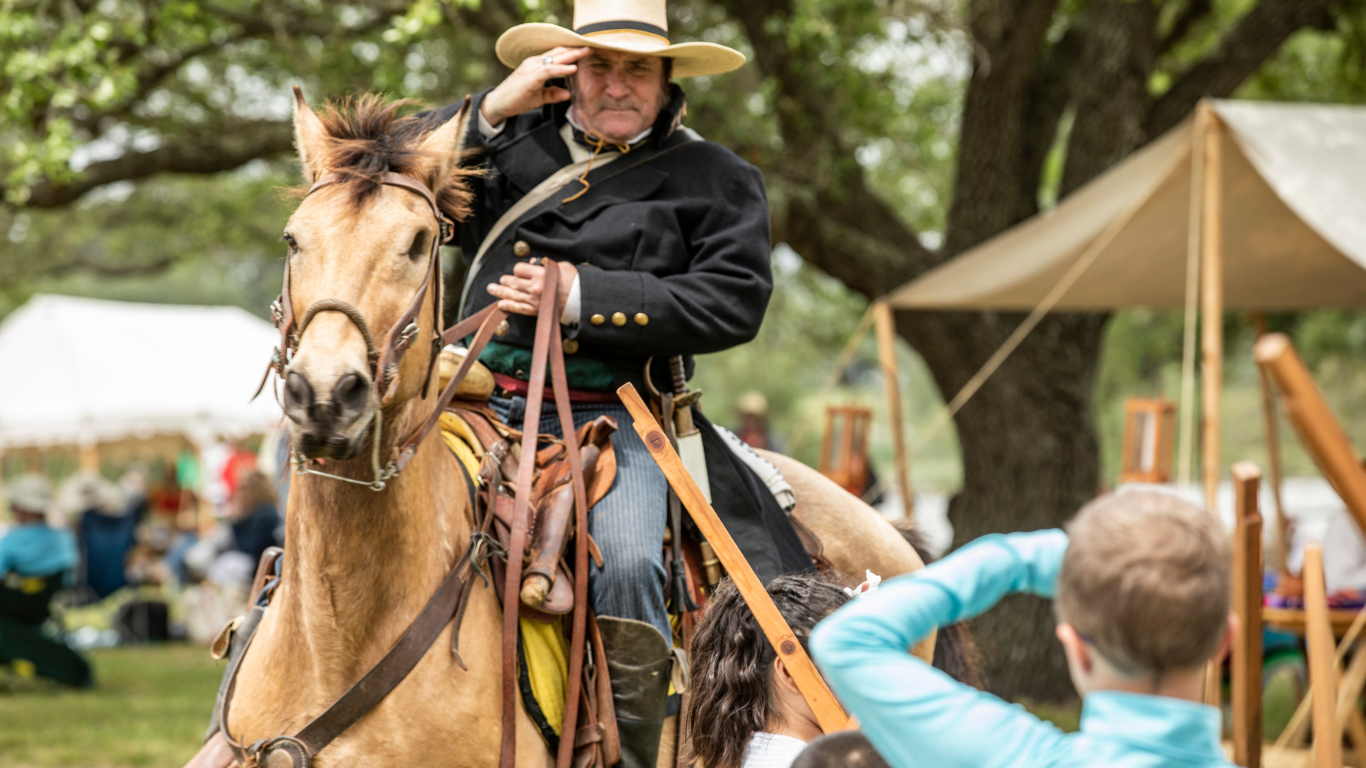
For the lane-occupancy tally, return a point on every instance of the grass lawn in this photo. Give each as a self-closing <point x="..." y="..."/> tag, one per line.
<point x="149" y="707"/>
<point x="151" y="704"/>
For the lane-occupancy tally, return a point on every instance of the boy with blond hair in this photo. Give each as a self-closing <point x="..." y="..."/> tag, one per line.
<point x="1141" y="582"/>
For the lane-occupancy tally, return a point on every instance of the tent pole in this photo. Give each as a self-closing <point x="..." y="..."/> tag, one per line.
<point x="1273" y="453"/>
<point x="886" y="353"/>
<point x="1186" y="438"/>
<point x="1212" y="303"/>
<point x="1212" y="330"/>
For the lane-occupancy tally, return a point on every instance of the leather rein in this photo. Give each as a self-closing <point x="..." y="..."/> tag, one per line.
<point x="450" y="599"/>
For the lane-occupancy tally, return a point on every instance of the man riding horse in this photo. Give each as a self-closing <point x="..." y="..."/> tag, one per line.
<point x="662" y="244"/>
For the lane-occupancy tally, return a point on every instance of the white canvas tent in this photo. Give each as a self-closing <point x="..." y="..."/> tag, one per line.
<point x="1294" y="224"/>
<point x="1245" y="205"/>
<point x="79" y="372"/>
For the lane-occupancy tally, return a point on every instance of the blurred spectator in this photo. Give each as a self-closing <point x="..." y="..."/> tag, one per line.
<point x="255" y="516"/>
<point x="35" y="561"/>
<point x="753" y="408"/>
<point x="240" y="461"/>
<point x="31" y="548"/>
<point x="107" y="531"/>
<point x="1344" y="554"/>
<point x="166" y="497"/>
<point x="229" y="553"/>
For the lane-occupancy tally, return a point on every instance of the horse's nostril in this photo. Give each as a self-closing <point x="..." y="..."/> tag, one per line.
<point x="298" y="392"/>
<point x="352" y="393"/>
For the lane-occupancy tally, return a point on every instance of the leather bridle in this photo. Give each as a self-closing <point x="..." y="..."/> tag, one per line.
<point x="384" y="360"/>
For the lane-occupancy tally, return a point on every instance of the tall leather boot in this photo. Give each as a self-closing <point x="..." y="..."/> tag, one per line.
<point x="639" y="662"/>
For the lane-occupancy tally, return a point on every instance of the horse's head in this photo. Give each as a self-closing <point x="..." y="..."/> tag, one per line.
<point x="360" y="249"/>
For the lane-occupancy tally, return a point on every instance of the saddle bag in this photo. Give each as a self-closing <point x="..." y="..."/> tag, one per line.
<point x="547" y="589"/>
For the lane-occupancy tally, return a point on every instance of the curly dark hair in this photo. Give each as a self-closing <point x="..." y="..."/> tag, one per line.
<point x="732" y="663"/>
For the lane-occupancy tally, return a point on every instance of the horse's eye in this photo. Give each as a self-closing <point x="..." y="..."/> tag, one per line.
<point x="419" y="247"/>
<point x="290" y="241"/>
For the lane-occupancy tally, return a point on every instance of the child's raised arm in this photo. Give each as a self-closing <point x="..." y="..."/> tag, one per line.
<point x="914" y="714"/>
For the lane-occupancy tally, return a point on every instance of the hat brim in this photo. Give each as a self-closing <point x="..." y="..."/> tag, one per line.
<point x="690" y="59"/>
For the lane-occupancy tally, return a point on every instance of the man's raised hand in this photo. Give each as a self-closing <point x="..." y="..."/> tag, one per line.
<point x="520" y="292"/>
<point x="525" y="88"/>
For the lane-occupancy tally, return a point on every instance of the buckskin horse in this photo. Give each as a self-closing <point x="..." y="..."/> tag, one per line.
<point x="366" y="548"/>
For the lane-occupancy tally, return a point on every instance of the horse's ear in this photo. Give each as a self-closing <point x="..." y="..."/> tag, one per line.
<point x="442" y="147"/>
<point x="310" y="136"/>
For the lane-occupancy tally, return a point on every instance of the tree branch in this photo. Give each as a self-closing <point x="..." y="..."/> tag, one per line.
<point x="1194" y="11"/>
<point x="206" y="153"/>
<point x="822" y="205"/>
<point x="1253" y="39"/>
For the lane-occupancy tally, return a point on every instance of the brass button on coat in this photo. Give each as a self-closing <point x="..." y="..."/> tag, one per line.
<point x="618" y="318"/>
<point x="597" y="319"/>
<point x="571" y="346"/>
<point x="642" y="318"/>
<point x="521" y="249"/>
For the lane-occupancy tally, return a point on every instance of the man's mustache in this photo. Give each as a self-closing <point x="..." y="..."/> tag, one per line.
<point x="631" y="104"/>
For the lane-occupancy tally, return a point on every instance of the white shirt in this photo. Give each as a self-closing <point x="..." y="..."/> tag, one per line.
<point x="772" y="750"/>
<point x="573" y="305"/>
<point x="1344" y="554"/>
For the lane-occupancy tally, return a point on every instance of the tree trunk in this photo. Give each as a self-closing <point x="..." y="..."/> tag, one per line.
<point x="1030" y="460"/>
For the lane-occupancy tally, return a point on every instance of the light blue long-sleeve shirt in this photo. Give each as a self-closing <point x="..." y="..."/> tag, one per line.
<point x="37" y="550"/>
<point x="918" y="716"/>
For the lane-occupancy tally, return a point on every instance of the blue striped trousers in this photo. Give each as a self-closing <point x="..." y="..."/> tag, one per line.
<point x="627" y="524"/>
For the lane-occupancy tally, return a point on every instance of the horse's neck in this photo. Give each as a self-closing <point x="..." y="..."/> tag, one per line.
<point x="360" y="564"/>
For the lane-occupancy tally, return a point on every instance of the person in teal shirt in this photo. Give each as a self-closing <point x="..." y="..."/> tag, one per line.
<point x="31" y="547"/>
<point x="1142" y="595"/>
<point x="35" y="561"/>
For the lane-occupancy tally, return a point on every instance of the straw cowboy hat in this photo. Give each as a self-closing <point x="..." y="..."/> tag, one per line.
<point x="30" y="493"/>
<point x="633" y="26"/>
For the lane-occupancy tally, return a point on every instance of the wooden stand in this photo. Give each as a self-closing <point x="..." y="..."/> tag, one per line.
<point x="829" y="715"/>
<point x="1146" y="455"/>
<point x="1273" y="454"/>
<point x="886" y="355"/>
<point x="844" y="447"/>
<point x="1314" y="421"/>
<point x="1322" y="672"/>
<point x="1246" y="664"/>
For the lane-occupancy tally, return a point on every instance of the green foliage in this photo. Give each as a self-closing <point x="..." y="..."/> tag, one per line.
<point x="138" y="76"/>
<point x="168" y="239"/>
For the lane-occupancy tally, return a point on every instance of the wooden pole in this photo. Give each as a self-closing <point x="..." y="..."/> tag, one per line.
<point x="1314" y="421"/>
<point x="1212" y="331"/>
<point x="1246" y="664"/>
<point x="886" y="353"/>
<point x="1192" y="308"/>
<point x="827" y="441"/>
<point x="1273" y="455"/>
<point x="1319" y="631"/>
<point x="829" y="715"/>
<point x="1211" y="301"/>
